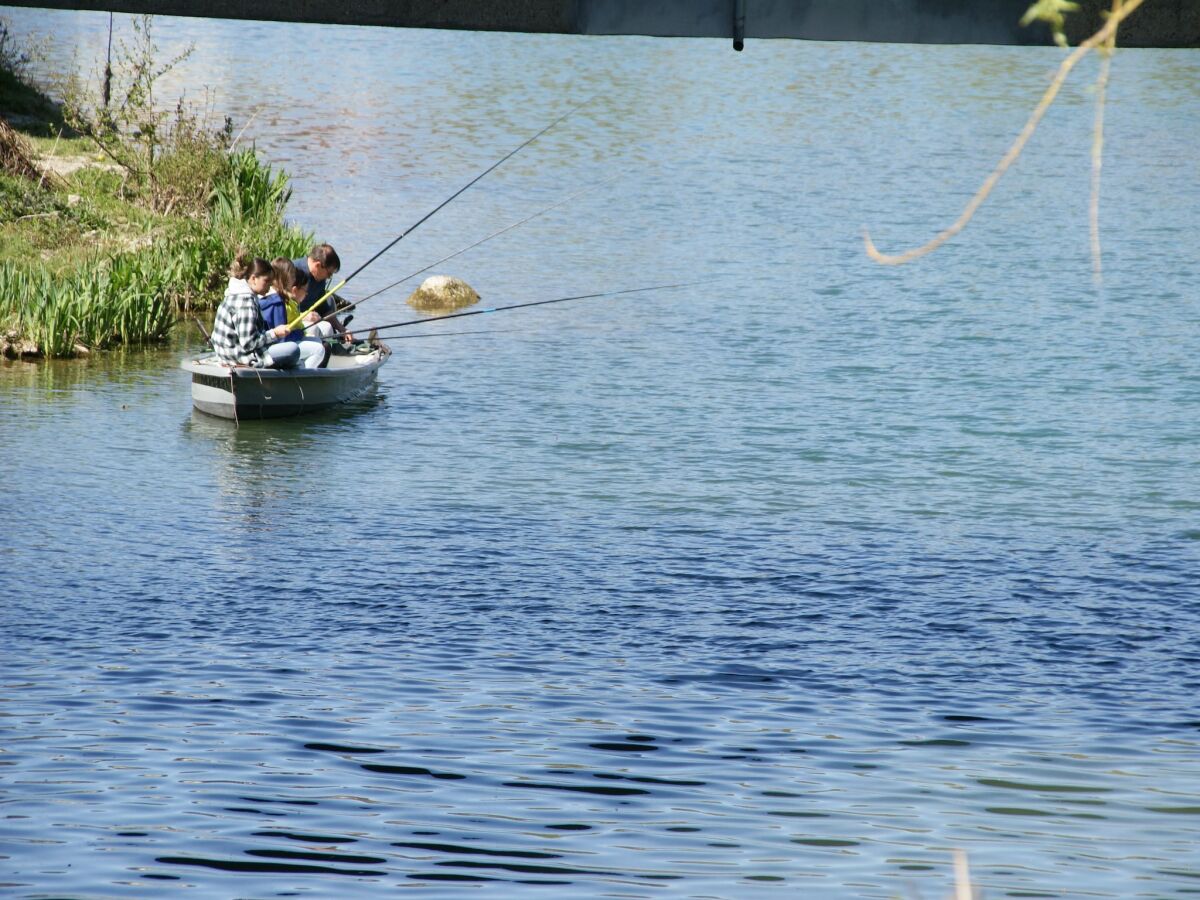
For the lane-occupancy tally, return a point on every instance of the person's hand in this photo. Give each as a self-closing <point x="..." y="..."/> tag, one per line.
<point x="311" y="318"/>
<point x="347" y="337"/>
<point x="280" y="331"/>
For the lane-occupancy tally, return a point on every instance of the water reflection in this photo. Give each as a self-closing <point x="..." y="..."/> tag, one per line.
<point x="55" y="378"/>
<point x="267" y="464"/>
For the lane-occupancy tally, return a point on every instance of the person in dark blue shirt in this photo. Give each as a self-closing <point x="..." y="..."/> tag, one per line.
<point x="321" y="264"/>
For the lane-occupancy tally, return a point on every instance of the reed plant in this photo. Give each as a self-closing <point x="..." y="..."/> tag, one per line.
<point x="123" y="301"/>
<point x="135" y="296"/>
<point x="245" y="210"/>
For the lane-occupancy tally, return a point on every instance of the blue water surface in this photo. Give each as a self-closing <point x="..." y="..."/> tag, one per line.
<point x="786" y="583"/>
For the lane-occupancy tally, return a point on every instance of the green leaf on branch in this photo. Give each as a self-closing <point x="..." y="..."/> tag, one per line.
<point x="1053" y="13"/>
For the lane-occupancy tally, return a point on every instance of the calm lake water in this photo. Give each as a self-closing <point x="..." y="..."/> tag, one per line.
<point x="784" y="584"/>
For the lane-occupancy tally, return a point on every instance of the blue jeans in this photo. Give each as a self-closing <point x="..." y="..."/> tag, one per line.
<point x="283" y="355"/>
<point x="312" y="353"/>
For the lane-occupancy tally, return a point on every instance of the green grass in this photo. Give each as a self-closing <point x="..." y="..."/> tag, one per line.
<point x="95" y="260"/>
<point x="50" y="226"/>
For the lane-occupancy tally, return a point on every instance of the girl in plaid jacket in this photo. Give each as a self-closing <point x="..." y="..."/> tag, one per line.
<point x="240" y="336"/>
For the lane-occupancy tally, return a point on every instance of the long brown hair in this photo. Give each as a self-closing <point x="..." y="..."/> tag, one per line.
<point x="286" y="275"/>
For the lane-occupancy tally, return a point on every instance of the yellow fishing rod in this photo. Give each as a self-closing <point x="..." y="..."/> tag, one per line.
<point x="329" y="293"/>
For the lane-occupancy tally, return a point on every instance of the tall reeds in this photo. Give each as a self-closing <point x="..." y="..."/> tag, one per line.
<point x="134" y="297"/>
<point x="123" y="300"/>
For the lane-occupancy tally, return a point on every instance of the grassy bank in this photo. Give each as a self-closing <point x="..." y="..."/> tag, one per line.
<point x="107" y="236"/>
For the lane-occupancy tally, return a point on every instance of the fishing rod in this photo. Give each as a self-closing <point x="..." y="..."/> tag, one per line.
<point x="409" y="337"/>
<point x="480" y="312"/>
<point x="441" y="206"/>
<point x="465" y="249"/>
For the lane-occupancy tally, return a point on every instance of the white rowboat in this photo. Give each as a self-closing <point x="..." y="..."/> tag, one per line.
<point x="244" y="392"/>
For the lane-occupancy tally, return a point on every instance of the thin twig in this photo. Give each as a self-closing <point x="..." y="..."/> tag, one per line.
<point x="1064" y="69"/>
<point x="253" y="116"/>
<point x="1098" y="152"/>
<point x="53" y="151"/>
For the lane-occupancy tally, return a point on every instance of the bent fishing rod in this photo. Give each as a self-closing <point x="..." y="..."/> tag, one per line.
<point x="494" y="234"/>
<point x="425" y="218"/>
<point x="480" y="312"/>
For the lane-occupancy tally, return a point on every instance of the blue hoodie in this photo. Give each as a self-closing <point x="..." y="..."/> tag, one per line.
<point x="275" y="314"/>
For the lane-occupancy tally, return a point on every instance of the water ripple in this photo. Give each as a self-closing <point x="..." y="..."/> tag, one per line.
<point x="791" y="581"/>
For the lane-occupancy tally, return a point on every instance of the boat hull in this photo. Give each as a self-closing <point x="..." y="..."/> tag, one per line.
<point x="243" y="392"/>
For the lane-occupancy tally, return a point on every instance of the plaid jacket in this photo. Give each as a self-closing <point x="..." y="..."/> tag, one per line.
<point x="239" y="333"/>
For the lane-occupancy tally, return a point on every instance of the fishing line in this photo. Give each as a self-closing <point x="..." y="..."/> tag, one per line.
<point x="486" y="171"/>
<point x="408" y="337"/>
<point x="480" y="312"/>
<point x="494" y="234"/>
<point x="441" y="206"/>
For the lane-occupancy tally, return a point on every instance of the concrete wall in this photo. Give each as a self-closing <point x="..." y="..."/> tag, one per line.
<point x="1159" y="23"/>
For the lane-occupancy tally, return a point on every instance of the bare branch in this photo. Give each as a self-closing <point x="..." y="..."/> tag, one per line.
<point x="1098" y="152"/>
<point x="1104" y="34"/>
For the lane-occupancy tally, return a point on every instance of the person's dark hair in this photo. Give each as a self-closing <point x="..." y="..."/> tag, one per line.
<point x="326" y="256"/>
<point x="259" y="267"/>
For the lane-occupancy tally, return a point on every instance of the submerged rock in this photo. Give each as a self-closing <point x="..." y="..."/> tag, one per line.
<point x="14" y="346"/>
<point x="442" y="293"/>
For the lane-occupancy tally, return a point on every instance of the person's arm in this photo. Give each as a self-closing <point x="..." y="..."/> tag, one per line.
<point x="250" y="339"/>
<point x="338" y="326"/>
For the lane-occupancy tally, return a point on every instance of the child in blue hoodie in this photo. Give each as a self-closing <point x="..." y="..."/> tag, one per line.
<point x="277" y="310"/>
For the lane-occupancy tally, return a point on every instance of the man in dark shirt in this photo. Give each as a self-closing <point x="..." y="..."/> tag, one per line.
<point x="321" y="264"/>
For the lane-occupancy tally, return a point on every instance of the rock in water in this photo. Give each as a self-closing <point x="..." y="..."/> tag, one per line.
<point x="442" y="293"/>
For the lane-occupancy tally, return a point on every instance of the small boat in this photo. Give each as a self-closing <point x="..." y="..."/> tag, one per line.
<point x="245" y="392"/>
